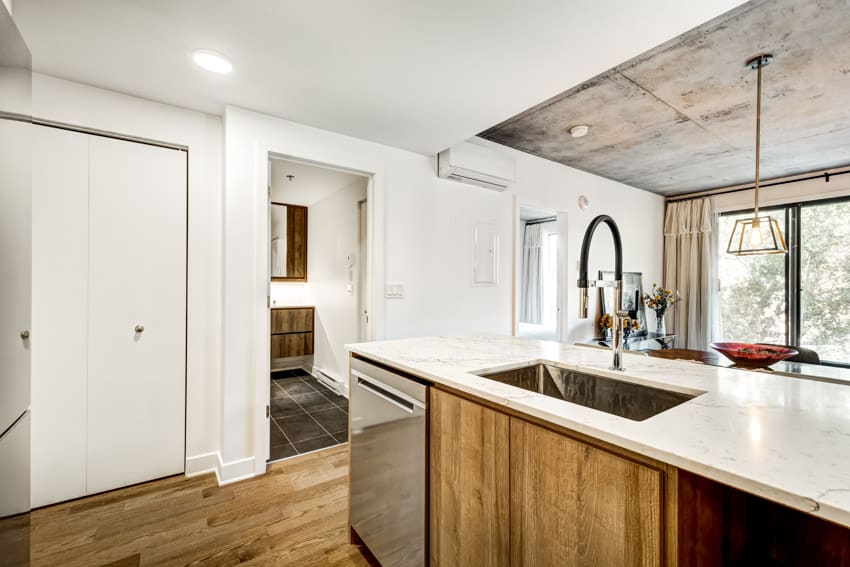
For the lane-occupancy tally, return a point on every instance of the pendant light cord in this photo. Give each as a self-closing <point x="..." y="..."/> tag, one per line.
<point x="758" y="137"/>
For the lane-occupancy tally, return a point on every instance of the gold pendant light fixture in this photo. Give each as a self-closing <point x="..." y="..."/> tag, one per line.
<point x="759" y="234"/>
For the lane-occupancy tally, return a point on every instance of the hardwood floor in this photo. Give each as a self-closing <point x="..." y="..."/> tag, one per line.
<point x="296" y="514"/>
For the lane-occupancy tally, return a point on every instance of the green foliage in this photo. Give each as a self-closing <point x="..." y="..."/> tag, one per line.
<point x="825" y="285"/>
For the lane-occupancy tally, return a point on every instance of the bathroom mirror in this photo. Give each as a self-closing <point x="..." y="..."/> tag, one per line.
<point x="288" y="247"/>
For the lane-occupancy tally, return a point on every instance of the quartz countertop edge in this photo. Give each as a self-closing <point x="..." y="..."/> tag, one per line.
<point x="782" y="438"/>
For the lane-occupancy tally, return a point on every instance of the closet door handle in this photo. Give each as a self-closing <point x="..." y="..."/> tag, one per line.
<point x="140" y="328"/>
<point x="25" y="334"/>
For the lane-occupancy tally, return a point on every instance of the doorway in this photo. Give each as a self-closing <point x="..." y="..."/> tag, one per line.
<point x="538" y="274"/>
<point x="318" y="300"/>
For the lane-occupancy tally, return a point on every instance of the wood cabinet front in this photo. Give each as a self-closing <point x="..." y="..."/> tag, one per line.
<point x="292" y="331"/>
<point x="292" y="320"/>
<point x="470" y="483"/>
<point x="574" y="504"/>
<point x="507" y="492"/>
<point x="293" y="344"/>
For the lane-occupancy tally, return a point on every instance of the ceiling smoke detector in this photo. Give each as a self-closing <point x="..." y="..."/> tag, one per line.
<point x="579" y="130"/>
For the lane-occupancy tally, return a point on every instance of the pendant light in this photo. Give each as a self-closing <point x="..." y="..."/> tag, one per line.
<point x="759" y="234"/>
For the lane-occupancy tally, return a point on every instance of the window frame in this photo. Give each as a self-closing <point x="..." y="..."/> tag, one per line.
<point x="793" y="264"/>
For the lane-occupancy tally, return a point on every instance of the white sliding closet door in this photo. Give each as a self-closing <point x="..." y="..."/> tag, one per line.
<point x="60" y="280"/>
<point x="137" y="275"/>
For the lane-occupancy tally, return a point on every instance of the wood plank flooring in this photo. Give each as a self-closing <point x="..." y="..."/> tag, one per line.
<point x="296" y="514"/>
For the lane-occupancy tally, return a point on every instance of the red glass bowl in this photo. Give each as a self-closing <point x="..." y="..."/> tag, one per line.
<point x="753" y="356"/>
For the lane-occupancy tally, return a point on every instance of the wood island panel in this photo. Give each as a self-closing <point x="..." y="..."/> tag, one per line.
<point x="469" y="483"/>
<point x="573" y="504"/>
<point x="719" y="525"/>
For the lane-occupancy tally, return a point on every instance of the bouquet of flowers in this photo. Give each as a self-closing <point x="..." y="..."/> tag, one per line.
<point x="659" y="300"/>
<point x="607" y="322"/>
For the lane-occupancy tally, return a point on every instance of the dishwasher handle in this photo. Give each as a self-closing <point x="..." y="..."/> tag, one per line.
<point x="387" y="393"/>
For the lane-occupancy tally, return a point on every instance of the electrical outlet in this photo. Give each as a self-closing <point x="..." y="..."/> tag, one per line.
<point x="394" y="290"/>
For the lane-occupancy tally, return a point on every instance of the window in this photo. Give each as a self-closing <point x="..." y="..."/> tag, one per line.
<point x="825" y="280"/>
<point x="550" y="276"/>
<point x="752" y="290"/>
<point x="802" y="298"/>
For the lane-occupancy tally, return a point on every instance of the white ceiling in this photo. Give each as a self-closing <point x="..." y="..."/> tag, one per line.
<point x="310" y="183"/>
<point x="420" y="75"/>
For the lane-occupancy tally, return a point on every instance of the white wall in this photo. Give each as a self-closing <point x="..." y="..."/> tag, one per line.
<point x="72" y="103"/>
<point x="639" y="215"/>
<point x="422" y="230"/>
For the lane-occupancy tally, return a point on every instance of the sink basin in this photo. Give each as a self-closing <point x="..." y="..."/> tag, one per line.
<point x="625" y="399"/>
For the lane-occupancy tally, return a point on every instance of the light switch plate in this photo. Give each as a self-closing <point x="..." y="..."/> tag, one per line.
<point x="394" y="290"/>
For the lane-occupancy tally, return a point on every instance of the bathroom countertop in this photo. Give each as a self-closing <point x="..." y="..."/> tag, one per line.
<point x="779" y="437"/>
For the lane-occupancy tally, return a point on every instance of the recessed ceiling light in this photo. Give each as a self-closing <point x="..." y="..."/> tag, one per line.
<point x="579" y="130"/>
<point x="212" y="61"/>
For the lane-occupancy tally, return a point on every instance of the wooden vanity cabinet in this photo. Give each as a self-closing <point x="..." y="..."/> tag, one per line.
<point x="292" y="331"/>
<point x="505" y="491"/>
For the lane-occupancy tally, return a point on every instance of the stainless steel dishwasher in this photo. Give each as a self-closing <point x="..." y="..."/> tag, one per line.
<point x="388" y="464"/>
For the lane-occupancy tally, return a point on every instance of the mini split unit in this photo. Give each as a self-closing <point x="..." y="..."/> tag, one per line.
<point x="477" y="165"/>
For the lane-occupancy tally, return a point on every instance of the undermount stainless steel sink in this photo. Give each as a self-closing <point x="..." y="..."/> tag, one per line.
<point x="618" y="397"/>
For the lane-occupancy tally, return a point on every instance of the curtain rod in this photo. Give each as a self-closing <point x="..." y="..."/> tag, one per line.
<point x="541" y="221"/>
<point x="826" y="176"/>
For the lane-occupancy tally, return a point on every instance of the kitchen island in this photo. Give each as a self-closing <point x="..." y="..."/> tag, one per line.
<point x="749" y="467"/>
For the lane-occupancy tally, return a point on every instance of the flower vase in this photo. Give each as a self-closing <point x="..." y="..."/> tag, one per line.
<point x="660" y="327"/>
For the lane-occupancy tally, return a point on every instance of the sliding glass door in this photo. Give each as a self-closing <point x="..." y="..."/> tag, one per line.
<point x="802" y="298"/>
<point x="752" y="305"/>
<point x="824" y="291"/>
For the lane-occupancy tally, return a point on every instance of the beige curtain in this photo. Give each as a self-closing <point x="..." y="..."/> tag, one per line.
<point x="688" y="258"/>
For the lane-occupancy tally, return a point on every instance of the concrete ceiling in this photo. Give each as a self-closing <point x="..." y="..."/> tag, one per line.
<point x="408" y="73"/>
<point x="681" y="117"/>
<point x="310" y="183"/>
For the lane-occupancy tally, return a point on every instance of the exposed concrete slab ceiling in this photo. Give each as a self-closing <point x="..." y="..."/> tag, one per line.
<point x="681" y="117"/>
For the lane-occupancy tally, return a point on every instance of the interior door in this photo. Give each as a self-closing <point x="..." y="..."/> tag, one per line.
<point x="60" y="280"/>
<point x="15" y="259"/>
<point x="137" y="313"/>
<point x="15" y="293"/>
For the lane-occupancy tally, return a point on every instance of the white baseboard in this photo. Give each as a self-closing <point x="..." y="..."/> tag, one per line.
<point x="235" y="471"/>
<point x="332" y="382"/>
<point x="225" y="473"/>
<point x="203" y="464"/>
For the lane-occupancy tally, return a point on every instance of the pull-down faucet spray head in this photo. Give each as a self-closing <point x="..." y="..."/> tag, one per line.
<point x="583" y="282"/>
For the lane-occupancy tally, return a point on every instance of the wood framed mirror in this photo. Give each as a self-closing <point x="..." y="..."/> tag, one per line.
<point x="288" y="246"/>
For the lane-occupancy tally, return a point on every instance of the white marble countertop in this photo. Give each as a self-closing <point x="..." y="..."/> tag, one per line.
<point x="782" y="438"/>
<point x="820" y="372"/>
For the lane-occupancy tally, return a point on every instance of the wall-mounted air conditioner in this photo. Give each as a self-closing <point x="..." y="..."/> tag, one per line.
<point x="477" y="165"/>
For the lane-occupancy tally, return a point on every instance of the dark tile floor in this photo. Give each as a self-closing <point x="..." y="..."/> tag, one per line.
<point x="305" y="415"/>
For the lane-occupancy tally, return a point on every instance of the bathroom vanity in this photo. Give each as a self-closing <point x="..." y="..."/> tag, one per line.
<point x="536" y="454"/>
